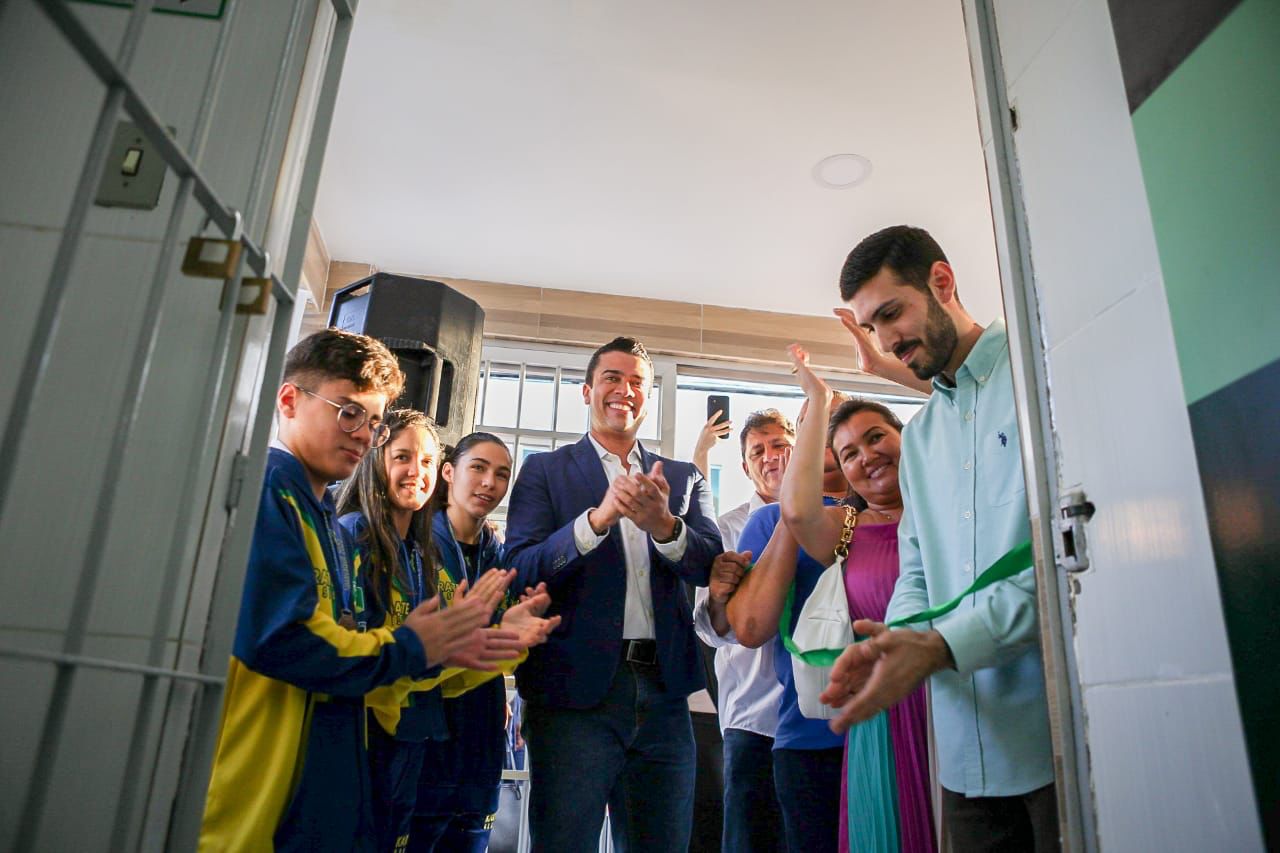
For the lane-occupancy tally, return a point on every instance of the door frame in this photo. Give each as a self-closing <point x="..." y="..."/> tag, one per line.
<point x="1169" y="703"/>
<point x="1028" y="360"/>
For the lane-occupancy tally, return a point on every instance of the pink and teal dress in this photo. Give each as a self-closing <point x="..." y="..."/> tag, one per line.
<point x="884" y="790"/>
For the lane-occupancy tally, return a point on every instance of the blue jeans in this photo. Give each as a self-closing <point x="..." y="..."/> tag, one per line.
<point x="633" y="752"/>
<point x="808" y="786"/>
<point x="752" y="820"/>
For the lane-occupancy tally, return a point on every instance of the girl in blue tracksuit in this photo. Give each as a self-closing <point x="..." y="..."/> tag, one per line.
<point x="386" y="507"/>
<point x="458" y="788"/>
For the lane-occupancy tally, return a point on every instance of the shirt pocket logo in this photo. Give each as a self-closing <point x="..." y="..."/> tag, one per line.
<point x="1000" y="480"/>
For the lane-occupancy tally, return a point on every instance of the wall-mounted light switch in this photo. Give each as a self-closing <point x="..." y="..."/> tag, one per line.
<point x="134" y="173"/>
<point x="132" y="162"/>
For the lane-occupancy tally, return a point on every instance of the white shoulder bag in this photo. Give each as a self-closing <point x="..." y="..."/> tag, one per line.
<point x="823" y="630"/>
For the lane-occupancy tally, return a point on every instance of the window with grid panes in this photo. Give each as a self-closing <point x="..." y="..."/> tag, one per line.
<point x="534" y="402"/>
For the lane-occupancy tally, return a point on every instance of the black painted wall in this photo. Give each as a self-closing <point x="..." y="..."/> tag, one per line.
<point x="1237" y="437"/>
<point x="1154" y="36"/>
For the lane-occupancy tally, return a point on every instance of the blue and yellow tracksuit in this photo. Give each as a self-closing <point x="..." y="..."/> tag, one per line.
<point x="402" y="719"/>
<point x="409" y="715"/>
<point x="458" y="789"/>
<point x="290" y="769"/>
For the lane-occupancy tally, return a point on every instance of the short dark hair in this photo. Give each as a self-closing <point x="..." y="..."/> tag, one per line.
<point x="334" y="354"/>
<point x="908" y="251"/>
<point x="853" y="406"/>
<point x="622" y="343"/>
<point x="761" y="419"/>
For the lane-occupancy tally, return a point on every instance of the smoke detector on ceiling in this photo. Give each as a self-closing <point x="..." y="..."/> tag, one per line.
<point x="842" y="171"/>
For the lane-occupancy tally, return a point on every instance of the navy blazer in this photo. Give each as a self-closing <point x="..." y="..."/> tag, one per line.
<point x="575" y="667"/>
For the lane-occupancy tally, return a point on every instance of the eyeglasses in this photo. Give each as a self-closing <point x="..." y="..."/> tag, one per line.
<point x="352" y="416"/>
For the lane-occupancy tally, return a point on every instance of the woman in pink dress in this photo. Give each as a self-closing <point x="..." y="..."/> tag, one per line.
<point x="885" y="796"/>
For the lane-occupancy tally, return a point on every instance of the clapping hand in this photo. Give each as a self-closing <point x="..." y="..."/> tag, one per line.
<point x="609" y="512"/>
<point x="526" y="617"/>
<point x="456" y="635"/>
<point x="644" y="498"/>
<point x="487" y="592"/>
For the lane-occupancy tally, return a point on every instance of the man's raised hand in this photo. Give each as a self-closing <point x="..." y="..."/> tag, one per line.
<point x="872" y="360"/>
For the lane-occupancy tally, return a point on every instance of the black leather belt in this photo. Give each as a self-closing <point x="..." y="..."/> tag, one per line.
<point x="640" y="651"/>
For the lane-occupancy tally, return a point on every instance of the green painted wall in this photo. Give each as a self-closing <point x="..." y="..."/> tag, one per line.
<point x="1209" y="142"/>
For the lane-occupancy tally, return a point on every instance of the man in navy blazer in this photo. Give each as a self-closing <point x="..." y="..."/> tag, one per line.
<point x="615" y="532"/>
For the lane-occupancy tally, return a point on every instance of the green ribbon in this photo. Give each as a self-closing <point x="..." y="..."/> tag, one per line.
<point x="1016" y="560"/>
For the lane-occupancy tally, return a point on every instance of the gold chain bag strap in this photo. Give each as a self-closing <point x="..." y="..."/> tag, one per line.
<point x="846" y="533"/>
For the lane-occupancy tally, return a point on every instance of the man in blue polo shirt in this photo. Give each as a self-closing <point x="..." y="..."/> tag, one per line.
<point x="807" y="755"/>
<point x="965" y="506"/>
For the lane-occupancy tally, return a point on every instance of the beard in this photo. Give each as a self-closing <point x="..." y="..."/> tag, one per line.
<point x="939" y="344"/>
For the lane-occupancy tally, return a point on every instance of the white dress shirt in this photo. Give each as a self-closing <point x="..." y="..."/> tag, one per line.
<point x="637" y="618"/>
<point x="749" y="690"/>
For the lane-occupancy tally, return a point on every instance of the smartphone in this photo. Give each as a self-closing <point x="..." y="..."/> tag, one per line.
<point x="718" y="403"/>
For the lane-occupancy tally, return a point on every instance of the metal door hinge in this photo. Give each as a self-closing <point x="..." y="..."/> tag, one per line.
<point x="239" y="468"/>
<point x="210" y="258"/>
<point x="261" y="301"/>
<point x="1075" y="511"/>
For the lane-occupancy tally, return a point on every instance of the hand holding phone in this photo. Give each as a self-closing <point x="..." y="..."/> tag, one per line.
<point x="718" y="403"/>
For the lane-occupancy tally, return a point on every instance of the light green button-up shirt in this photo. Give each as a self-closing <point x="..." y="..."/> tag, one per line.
<point x="965" y="506"/>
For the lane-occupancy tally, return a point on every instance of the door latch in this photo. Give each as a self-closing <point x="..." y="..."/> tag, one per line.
<point x="1075" y="511"/>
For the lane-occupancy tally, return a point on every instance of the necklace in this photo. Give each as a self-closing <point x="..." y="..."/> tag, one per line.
<point x="885" y="515"/>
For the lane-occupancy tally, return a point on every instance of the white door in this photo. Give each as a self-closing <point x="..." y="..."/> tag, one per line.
<point x="1147" y="726"/>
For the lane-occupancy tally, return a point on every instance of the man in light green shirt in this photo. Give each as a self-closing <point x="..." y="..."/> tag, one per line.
<point x="965" y="506"/>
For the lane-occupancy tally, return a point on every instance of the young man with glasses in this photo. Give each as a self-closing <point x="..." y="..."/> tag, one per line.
<point x="290" y="770"/>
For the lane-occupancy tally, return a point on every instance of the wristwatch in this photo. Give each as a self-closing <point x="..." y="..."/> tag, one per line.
<point x="675" y="533"/>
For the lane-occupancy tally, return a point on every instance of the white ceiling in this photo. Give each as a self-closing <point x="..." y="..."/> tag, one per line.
<point x="659" y="149"/>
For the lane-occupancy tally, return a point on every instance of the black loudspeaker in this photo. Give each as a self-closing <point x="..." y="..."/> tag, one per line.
<point x="435" y="332"/>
